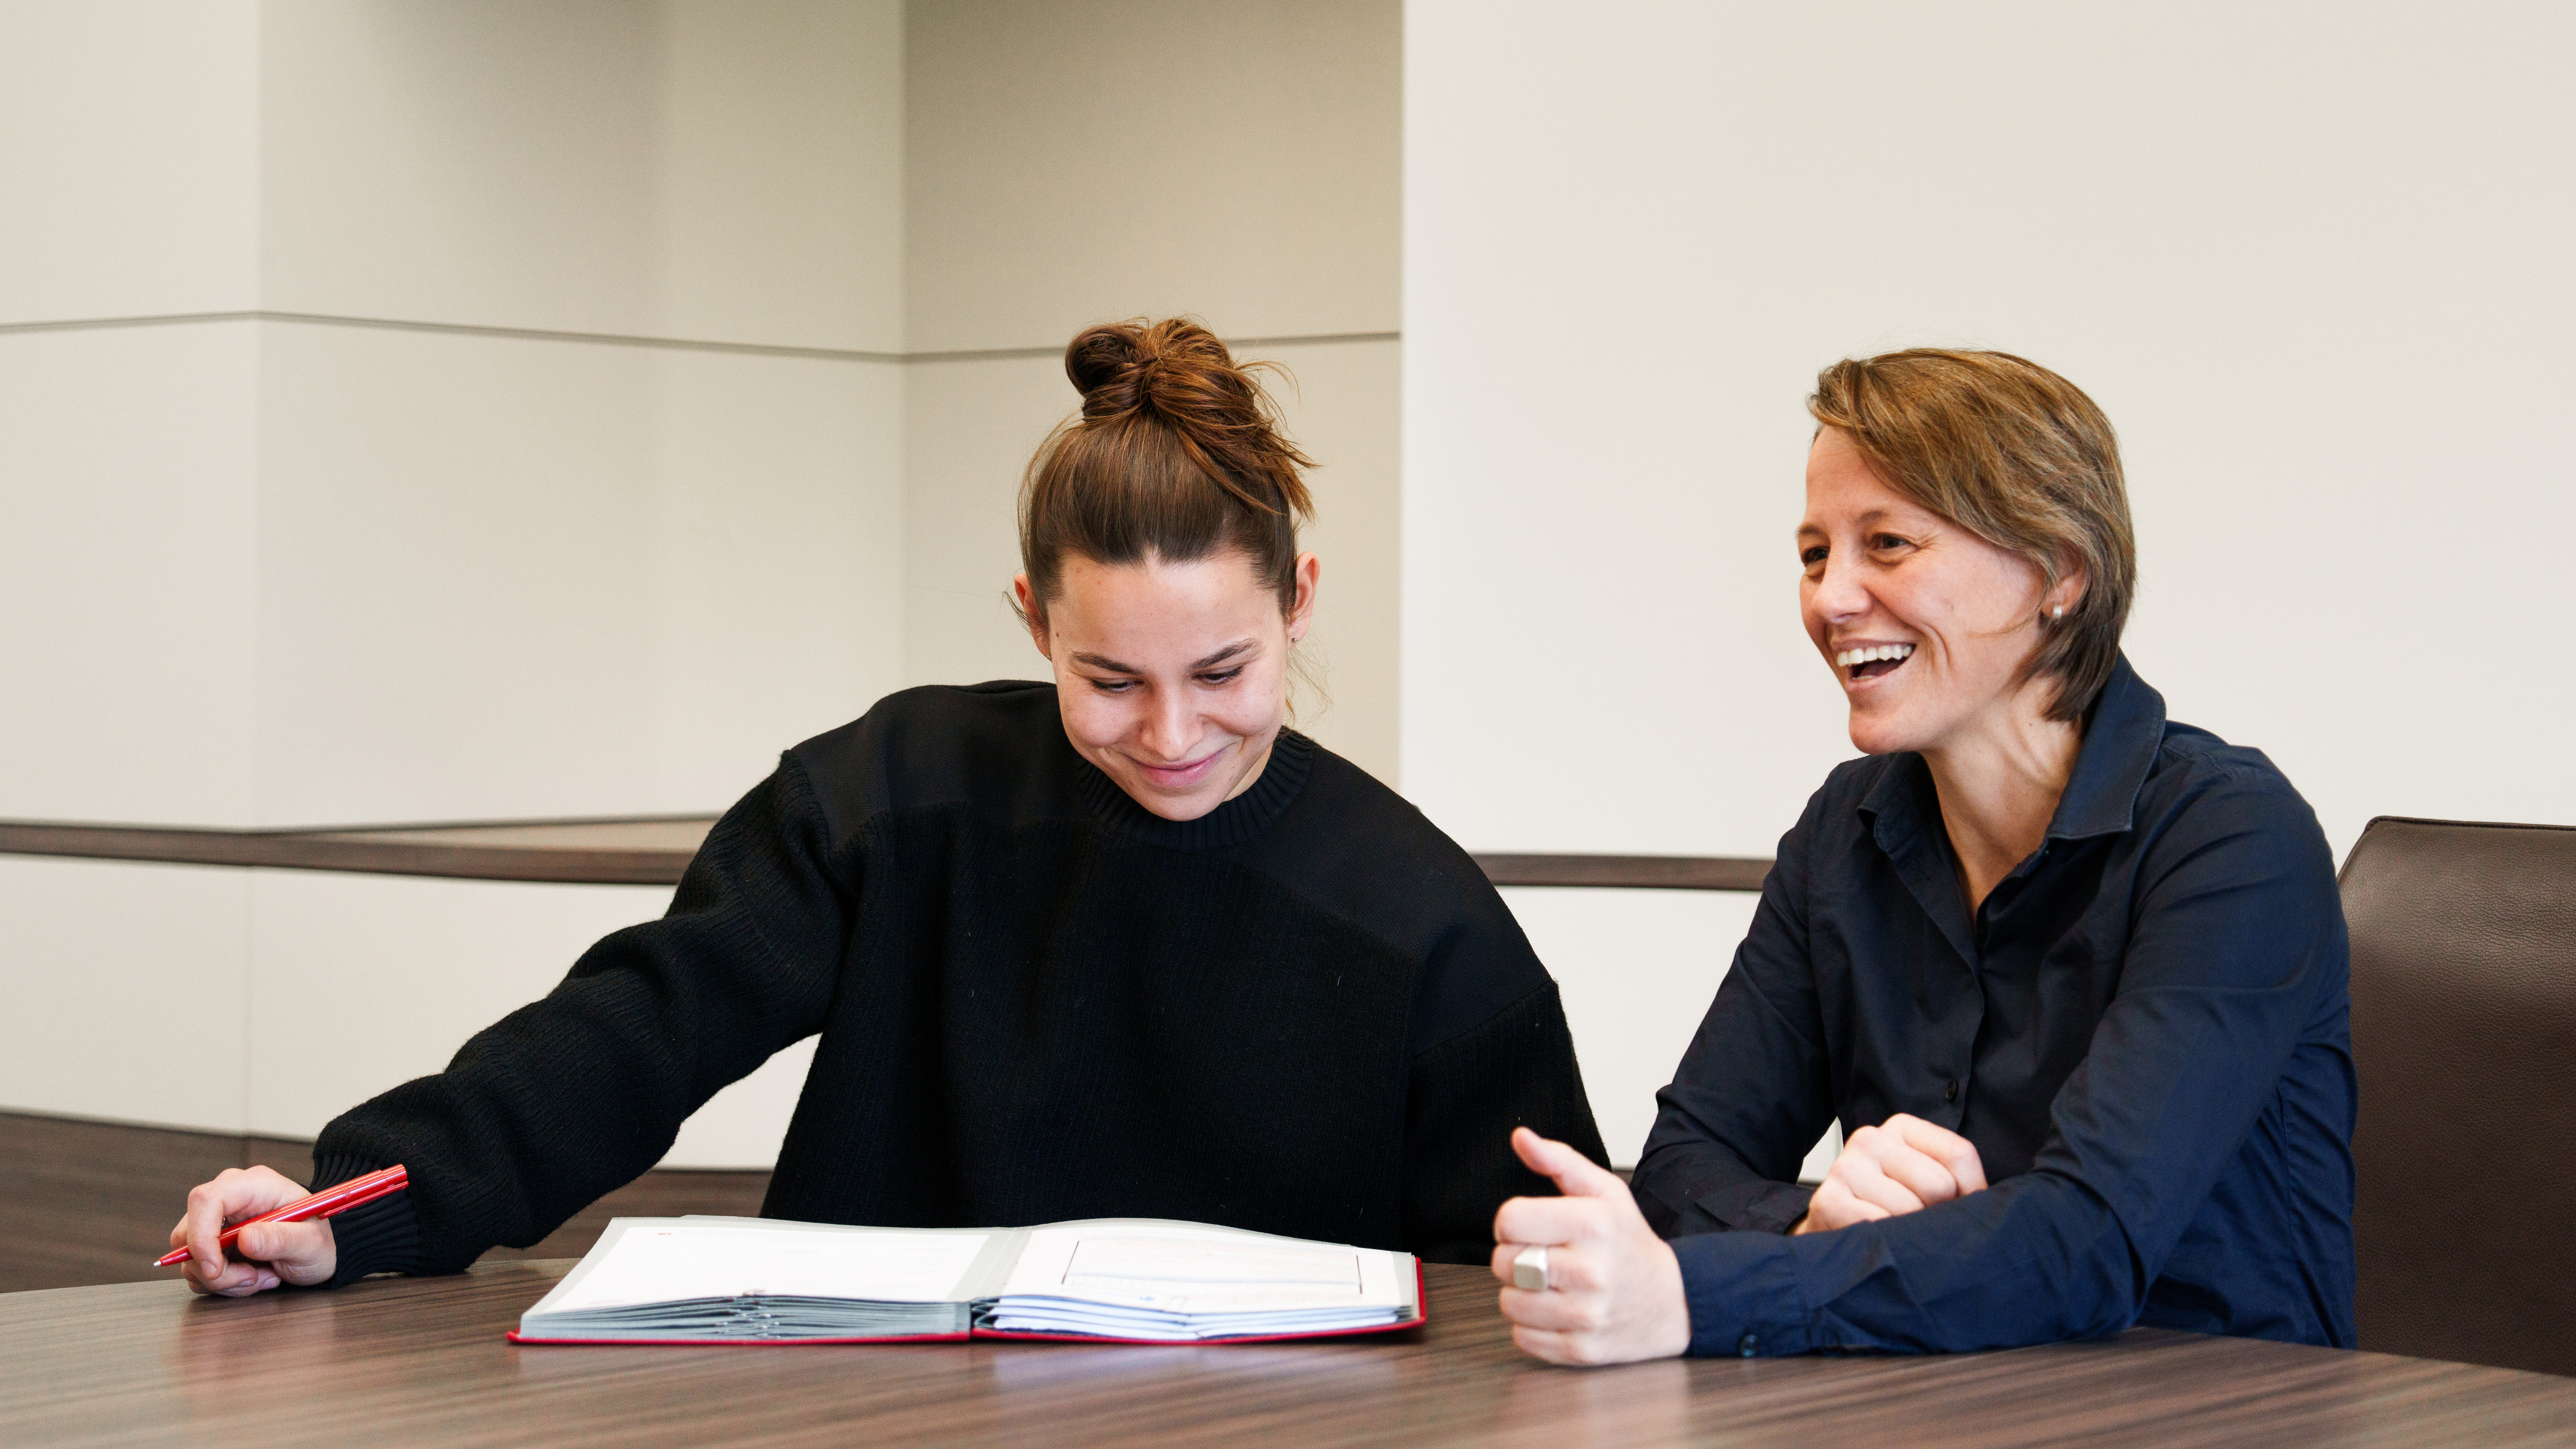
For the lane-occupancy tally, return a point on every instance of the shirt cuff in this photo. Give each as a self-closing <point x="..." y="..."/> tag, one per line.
<point x="380" y="1237"/>
<point x="1743" y="1294"/>
<point x="1755" y="1206"/>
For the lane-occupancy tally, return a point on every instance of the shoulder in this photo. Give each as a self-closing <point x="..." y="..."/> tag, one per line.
<point x="2210" y="805"/>
<point x="2196" y="771"/>
<point x="1358" y="851"/>
<point x="930" y="745"/>
<point x="1357" y="848"/>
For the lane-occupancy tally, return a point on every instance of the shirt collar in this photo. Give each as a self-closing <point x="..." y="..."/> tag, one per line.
<point x="2101" y="795"/>
<point x="2120" y="744"/>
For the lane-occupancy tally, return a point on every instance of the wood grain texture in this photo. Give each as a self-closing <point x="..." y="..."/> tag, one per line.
<point x="656" y="851"/>
<point x="92" y="1202"/>
<point x="397" y="1362"/>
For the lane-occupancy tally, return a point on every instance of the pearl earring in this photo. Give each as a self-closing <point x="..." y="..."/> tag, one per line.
<point x="2058" y="613"/>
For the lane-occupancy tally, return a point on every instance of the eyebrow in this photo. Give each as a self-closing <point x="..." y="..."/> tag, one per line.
<point x="1103" y="661"/>
<point x="1872" y="518"/>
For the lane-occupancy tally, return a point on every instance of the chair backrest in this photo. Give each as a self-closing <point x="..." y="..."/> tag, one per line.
<point x="2464" y="1035"/>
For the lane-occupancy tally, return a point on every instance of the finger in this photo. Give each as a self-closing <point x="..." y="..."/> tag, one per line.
<point x="1541" y="1343"/>
<point x="296" y="1252"/>
<point x="1548" y="1221"/>
<point x="202" y="1228"/>
<point x="232" y="1195"/>
<point x="1833" y="1206"/>
<point x="1956" y="1154"/>
<point x="1559" y="1312"/>
<point x="1858" y="1172"/>
<point x="1918" y="1172"/>
<point x="1575" y="1174"/>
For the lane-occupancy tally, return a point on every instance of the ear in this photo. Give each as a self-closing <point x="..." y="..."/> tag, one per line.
<point x="1309" y="571"/>
<point x="1032" y="613"/>
<point x="2072" y="582"/>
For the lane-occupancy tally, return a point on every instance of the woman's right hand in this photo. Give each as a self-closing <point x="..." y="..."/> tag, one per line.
<point x="1902" y="1166"/>
<point x="269" y="1254"/>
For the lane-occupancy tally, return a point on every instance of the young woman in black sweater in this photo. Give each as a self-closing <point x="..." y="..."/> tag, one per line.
<point x="1122" y="944"/>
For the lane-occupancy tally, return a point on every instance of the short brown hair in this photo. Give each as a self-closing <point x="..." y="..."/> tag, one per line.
<point x="1176" y="453"/>
<point x="2018" y="456"/>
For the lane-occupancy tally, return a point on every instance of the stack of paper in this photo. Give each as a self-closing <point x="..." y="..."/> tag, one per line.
<point x="1185" y="1282"/>
<point x="735" y="1280"/>
<point x="725" y="1278"/>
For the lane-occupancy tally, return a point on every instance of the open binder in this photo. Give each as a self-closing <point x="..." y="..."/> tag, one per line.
<point x="710" y="1280"/>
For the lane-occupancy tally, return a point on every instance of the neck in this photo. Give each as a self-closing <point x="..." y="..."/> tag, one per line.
<point x="1999" y="783"/>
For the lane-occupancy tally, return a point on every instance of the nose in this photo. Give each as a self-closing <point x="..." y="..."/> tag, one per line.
<point x="1838" y="595"/>
<point x="1170" y="728"/>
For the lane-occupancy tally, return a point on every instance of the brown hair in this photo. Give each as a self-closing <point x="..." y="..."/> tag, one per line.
<point x="1176" y="453"/>
<point x="2018" y="456"/>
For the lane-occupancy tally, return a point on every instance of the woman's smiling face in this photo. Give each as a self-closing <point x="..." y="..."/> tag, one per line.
<point x="1172" y="677"/>
<point x="1927" y="627"/>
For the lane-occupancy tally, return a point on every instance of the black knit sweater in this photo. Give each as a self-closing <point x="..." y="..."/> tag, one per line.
<point x="1305" y="1012"/>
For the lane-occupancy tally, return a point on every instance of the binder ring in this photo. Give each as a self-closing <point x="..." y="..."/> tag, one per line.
<point x="1529" y="1269"/>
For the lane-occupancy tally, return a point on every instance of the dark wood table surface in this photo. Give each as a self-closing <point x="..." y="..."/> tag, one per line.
<point x="422" y="1361"/>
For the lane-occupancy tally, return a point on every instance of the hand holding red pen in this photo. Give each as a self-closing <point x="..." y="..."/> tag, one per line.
<point x="270" y="1253"/>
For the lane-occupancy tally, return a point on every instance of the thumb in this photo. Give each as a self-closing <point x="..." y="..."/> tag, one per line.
<point x="1575" y="1174"/>
<point x="300" y="1252"/>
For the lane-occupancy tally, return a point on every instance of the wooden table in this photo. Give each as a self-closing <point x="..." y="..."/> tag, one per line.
<point x="422" y="1361"/>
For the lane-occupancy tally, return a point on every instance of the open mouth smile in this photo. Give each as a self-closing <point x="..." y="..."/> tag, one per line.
<point x="1872" y="661"/>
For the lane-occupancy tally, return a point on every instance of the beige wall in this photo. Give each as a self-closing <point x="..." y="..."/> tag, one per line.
<point x="2310" y="261"/>
<point x="464" y="409"/>
<point x="513" y="428"/>
<point x="1070" y="164"/>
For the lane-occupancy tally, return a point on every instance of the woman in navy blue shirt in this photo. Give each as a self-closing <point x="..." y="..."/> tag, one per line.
<point x="2071" y="976"/>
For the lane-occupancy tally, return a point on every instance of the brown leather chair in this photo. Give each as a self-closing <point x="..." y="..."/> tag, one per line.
<point x="2464" y="1034"/>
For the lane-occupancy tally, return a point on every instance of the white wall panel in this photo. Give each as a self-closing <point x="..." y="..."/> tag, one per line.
<point x="2303" y="260"/>
<point x="361" y="983"/>
<point x="782" y="166"/>
<point x="504" y="578"/>
<point x="692" y="168"/>
<point x="972" y="426"/>
<point x="129" y="157"/>
<point x="127" y="480"/>
<point x="128" y="991"/>
<point x="1071" y="164"/>
<point x="1637" y="969"/>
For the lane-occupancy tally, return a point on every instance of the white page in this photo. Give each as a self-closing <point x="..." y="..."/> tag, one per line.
<point x="1179" y="1269"/>
<point x="673" y="1260"/>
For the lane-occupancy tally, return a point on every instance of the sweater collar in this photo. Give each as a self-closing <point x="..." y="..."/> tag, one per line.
<point x="1292" y="756"/>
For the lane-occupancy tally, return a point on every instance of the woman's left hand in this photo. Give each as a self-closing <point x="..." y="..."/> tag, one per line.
<point x="1614" y="1289"/>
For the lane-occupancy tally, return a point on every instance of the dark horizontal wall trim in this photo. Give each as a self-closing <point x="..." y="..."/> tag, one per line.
<point x="1629" y="872"/>
<point x="572" y="864"/>
<point x="626" y="339"/>
<point x="569" y="859"/>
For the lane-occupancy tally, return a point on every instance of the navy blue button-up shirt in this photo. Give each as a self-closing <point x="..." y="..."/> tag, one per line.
<point x="2144" y="1030"/>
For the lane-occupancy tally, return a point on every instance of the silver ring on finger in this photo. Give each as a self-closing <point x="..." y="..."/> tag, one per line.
<point x="1529" y="1270"/>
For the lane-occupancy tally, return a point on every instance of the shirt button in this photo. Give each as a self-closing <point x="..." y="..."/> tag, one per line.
<point x="1746" y="1345"/>
<point x="1950" y="1090"/>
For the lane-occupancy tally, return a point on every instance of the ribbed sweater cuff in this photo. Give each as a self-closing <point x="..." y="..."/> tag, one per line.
<point x="381" y="1237"/>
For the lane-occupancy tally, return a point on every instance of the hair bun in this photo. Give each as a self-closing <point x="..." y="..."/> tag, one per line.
<point x="1103" y="361"/>
<point x="1175" y="367"/>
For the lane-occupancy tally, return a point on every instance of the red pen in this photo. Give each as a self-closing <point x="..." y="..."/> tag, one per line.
<point x="329" y="1202"/>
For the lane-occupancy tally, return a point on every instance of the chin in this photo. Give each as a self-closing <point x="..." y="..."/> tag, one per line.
<point x="1875" y="733"/>
<point x="1171" y="805"/>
